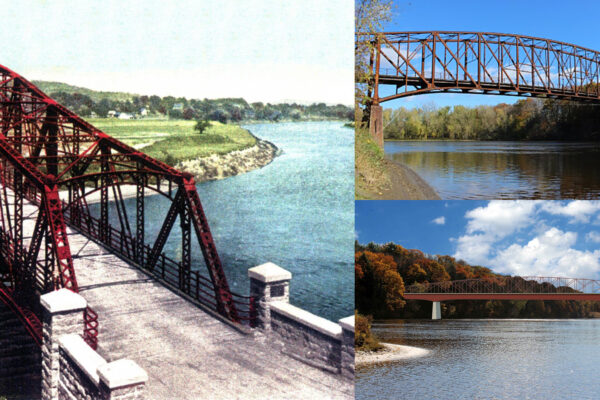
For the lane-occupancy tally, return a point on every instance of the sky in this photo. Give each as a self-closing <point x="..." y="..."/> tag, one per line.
<point x="262" y="50"/>
<point x="573" y="22"/>
<point x="525" y="238"/>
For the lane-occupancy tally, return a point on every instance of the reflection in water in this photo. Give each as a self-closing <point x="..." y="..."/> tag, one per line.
<point x="487" y="359"/>
<point x="503" y="170"/>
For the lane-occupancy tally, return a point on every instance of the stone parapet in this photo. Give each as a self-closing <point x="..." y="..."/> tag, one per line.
<point x="300" y="334"/>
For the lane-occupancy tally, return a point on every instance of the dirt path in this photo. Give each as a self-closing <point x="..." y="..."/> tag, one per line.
<point x="405" y="185"/>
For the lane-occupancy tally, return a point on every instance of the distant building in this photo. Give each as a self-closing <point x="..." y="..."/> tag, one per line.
<point x="125" y="115"/>
<point x="144" y="112"/>
<point x="178" y="107"/>
<point x="112" y="114"/>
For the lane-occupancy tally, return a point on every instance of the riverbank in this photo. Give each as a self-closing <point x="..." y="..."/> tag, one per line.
<point x="377" y="178"/>
<point x="391" y="352"/>
<point x="219" y="166"/>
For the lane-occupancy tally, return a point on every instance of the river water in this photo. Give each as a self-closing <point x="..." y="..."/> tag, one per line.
<point x="503" y="170"/>
<point x="297" y="212"/>
<point x="487" y="359"/>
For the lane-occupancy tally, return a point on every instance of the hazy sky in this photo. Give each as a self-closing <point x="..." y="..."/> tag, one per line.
<point x="573" y="22"/>
<point x="526" y="238"/>
<point x="262" y="50"/>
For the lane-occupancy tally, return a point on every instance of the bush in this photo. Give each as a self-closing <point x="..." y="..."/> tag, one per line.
<point x="201" y="126"/>
<point x="363" y="338"/>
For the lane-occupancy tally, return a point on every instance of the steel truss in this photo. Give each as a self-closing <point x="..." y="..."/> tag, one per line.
<point x="44" y="149"/>
<point x="507" y="288"/>
<point x="481" y="62"/>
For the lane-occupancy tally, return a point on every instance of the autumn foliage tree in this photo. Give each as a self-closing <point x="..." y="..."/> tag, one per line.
<point x="379" y="286"/>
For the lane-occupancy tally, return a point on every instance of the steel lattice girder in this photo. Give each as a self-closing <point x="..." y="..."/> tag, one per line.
<point x="483" y="63"/>
<point x="45" y="148"/>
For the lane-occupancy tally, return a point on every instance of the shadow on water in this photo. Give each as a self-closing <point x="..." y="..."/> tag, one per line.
<point x="503" y="170"/>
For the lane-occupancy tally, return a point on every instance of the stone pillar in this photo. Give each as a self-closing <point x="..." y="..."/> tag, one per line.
<point x="62" y="315"/>
<point x="347" y="367"/>
<point x="436" y="310"/>
<point x="122" y="379"/>
<point x="376" y="125"/>
<point x="268" y="283"/>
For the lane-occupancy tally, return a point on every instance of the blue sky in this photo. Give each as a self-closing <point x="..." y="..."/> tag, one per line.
<point x="542" y="238"/>
<point x="263" y="50"/>
<point x="573" y="22"/>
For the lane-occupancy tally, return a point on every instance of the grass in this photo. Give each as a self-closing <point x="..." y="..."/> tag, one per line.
<point x="173" y="141"/>
<point x="371" y="173"/>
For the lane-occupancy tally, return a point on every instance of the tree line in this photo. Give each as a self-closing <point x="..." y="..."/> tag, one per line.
<point x="527" y="119"/>
<point x="383" y="271"/>
<point x="223" y="110"/>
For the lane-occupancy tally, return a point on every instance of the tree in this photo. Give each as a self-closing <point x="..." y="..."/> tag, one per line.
<point x="201" y="125"/>
<point x="368" y="19"/>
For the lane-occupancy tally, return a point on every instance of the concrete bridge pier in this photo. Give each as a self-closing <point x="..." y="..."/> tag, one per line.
<point x="436" y="310"/>
<point x="376" y="124"/>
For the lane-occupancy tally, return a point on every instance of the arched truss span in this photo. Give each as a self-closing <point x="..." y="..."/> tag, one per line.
<point x="46" y="149"/>
<point x="481" y="63"/>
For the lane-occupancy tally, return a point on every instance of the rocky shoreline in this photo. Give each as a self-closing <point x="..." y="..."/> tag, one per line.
<point x="219" y="166"/>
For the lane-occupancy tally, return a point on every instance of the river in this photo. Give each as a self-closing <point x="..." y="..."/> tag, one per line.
<point x="503" y="170"/>
<point x="297" y="212"/>
<point x="487" y="359"/>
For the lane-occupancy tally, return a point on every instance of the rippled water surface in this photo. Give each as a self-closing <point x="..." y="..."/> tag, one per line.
<point x="487" y="359"/>
<point x="297" y="212"/>
<point x="503" y="170"/>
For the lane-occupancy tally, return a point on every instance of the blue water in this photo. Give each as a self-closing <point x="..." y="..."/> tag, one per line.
<point x="297" y="212"/>
<point x="487" y="359"/>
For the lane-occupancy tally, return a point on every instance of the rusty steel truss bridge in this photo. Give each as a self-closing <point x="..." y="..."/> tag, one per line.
<point x="416" y="63"/>
<point x="54" y="159"/>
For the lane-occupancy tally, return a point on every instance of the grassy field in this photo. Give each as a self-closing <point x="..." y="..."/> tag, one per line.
<point x="173" y="141"/>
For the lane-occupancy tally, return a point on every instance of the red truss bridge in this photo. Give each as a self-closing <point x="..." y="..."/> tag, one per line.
<point x="505" y="288"/>
<point x="478" y="62"/>
<point x="52" y="158"/>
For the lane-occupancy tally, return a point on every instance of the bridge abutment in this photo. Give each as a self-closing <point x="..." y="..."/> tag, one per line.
<point x="436" y="310"/>
<point x="376" y="124"/>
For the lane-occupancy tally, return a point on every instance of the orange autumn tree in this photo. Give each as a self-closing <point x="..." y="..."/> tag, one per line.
<point x="379" y="286"/>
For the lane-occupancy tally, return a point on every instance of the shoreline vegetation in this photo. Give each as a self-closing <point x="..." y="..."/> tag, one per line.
<point x="221" y="151"/>
<point x="377" y="178"/>
<point x="528" y="119"/>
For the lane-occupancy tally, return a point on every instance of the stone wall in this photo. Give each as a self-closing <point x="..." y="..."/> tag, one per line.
<point x="74" y="383"/>
<point x="311" y="338"/>
<point x="20" y="358"/>
<point x="299" y="333"/>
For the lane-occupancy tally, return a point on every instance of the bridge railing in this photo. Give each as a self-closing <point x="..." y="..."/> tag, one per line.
<point x="190" y="282"/>
<point x="507" y="284"/>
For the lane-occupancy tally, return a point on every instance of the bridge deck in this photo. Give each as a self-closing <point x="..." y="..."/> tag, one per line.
<point x="187" y="353"/>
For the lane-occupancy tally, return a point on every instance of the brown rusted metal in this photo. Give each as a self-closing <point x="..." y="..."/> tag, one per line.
<point x="482" y="63"/>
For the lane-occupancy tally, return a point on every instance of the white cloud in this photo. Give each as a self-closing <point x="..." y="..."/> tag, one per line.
<point x="577" y="210"/>
<point x="593" y="236"/>
<point x="549" y="254"/>
<point x="500" y="218"/>
<point x="439" y="220"/>
<point x="539" y="248"/>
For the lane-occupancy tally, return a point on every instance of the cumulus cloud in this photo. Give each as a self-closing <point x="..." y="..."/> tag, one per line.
<point x="439" y="220"/>
<point x="577" y="210"/>
<point x="514" y="237"/>
<point x="593" y="236"/>
<point x="550" y="253"/>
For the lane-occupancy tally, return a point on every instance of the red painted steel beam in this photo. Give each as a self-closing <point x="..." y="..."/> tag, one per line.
<point x="502" y="296"/>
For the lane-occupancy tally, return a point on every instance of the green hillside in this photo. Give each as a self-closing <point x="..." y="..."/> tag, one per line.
<point x="53" y="87"/>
